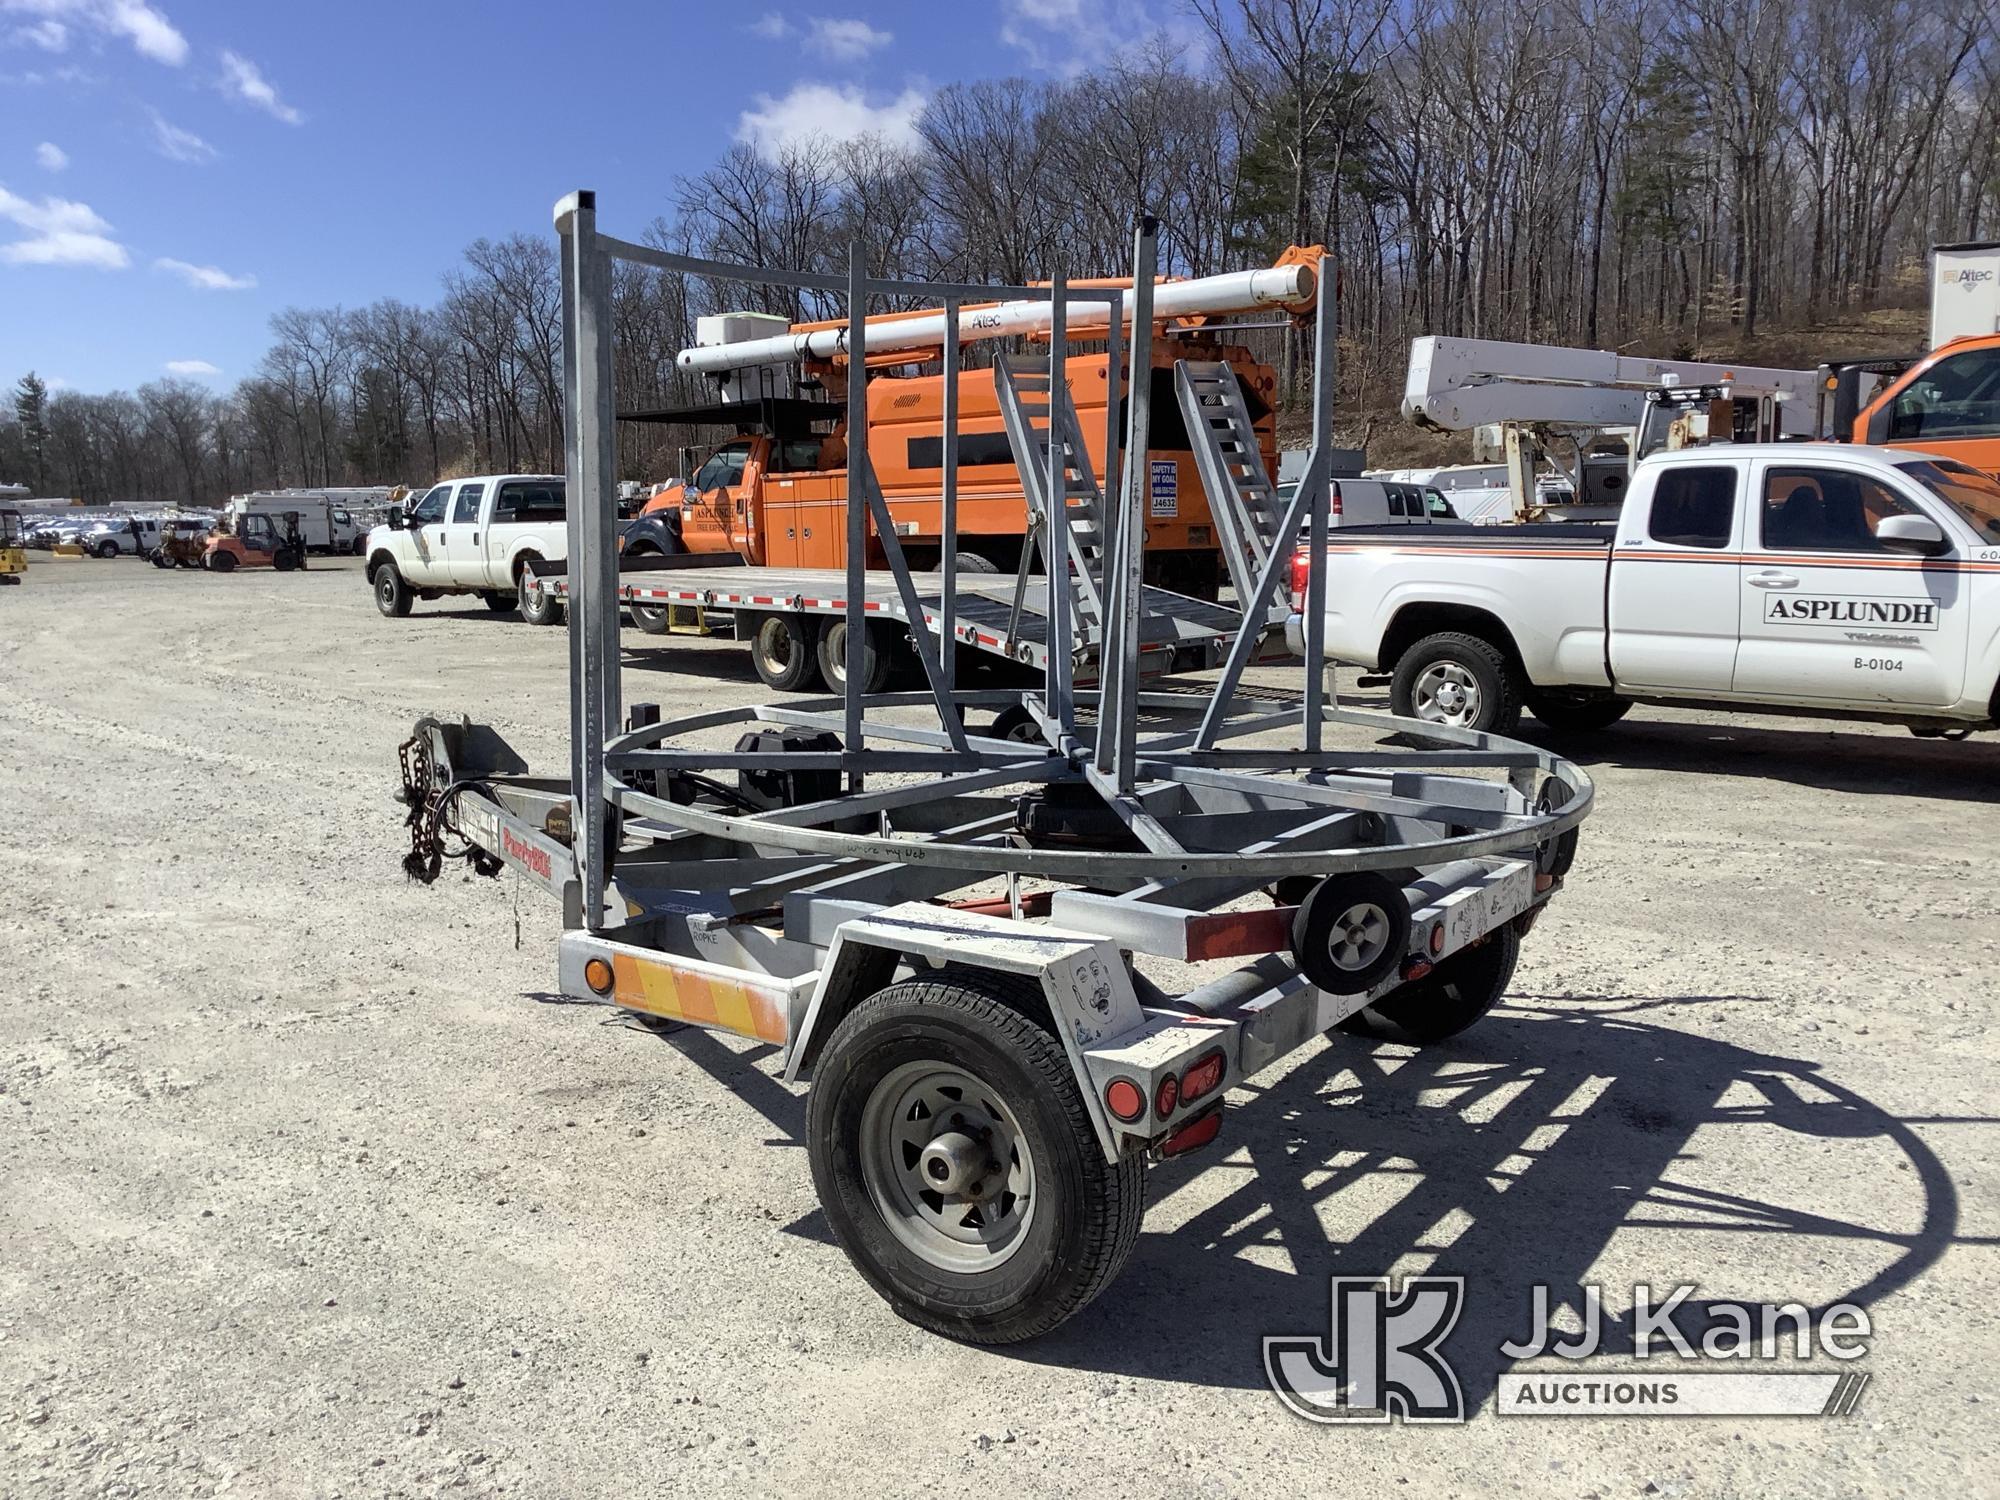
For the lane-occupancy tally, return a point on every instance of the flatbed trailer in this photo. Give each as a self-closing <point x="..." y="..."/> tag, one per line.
<point x="995" y="615"/>
<point x="1015" y="968"/>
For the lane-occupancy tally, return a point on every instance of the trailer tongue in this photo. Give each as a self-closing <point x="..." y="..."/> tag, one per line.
<point x="1018" y="957"/>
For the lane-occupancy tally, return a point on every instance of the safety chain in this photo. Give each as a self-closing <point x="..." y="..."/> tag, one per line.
<point x="426" y="818"/>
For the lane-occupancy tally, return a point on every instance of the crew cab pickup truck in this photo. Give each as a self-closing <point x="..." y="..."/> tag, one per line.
<point x="1815" y="578"/>
<point x="472" y="536"/>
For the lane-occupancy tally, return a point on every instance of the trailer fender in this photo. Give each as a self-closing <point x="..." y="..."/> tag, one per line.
<point x="1083" y="981"/>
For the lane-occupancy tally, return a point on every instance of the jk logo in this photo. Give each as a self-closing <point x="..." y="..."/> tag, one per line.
<point x="1380" y="1355"/>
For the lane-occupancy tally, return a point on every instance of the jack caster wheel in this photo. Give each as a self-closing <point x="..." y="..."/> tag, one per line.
<point x="1351" y="932"/>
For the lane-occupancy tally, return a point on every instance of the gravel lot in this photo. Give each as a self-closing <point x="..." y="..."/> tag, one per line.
<point x="311" y="1188"/>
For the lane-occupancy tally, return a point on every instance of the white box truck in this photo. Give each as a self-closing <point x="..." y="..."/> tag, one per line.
<point x="1965" y="291"/>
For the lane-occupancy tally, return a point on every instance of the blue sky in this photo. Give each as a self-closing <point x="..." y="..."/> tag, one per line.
<point x="172" y="172"/>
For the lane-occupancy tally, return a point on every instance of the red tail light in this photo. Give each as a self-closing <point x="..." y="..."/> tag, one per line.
<point x="1193" y="1135"/>
<point x="1166" y="1096"/>
<point x="1202" y="1078"/>
<point x="1123" y="1099"/>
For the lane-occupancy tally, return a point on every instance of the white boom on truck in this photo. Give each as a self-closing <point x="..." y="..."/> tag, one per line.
<point x="1205" y="296"/>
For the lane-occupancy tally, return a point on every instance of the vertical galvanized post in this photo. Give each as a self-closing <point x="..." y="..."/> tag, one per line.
<point x="593" y="551"/>
<point x="857" y="502"/>
<point x="948" y="529"/>
<point x="1122" y="633"/>
<point x="1326" y="347"/>
<point x="1060" y="696"/>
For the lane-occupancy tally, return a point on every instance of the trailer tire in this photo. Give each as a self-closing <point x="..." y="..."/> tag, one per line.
<point x="537" y="607"/>
<point x="392" y="591"/>
<point x="1018" y="725"/>
<point x="876" y="660"/>
<point x="973" y="562"/>
<point x="1351" y="931"/>
<point x="1049" y="1240"/>
<point x="1577" y="715"/>
<point x="1445" y="1001"/>
<point x="160" y="559"/>
<point x="781" y="649"/>
<point x="1460" y="680"/>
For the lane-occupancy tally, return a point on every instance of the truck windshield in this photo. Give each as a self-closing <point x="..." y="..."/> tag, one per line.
<point x="1973" y="494"/>
<point x="1958" y="397"/>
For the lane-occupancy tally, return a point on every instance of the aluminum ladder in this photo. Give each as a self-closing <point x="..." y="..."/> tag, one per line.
<point x="1241" y="498"/>
<point x="1034" y="423"/>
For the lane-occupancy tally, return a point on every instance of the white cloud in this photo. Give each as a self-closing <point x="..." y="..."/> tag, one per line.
<point x="848" y="40"/>
<point x="192" y="367"/>
<point x="818" y="111"/>
<point x="242" y="80"/>
<point x="60" y="233"/>
<point x="176" y="144"/>
<point x="51" y="157"/>
<point x="50" y="36"/>
<point x="150" y="33"/>
<point x="772" y="27"/>
<point x="205" y="278"/>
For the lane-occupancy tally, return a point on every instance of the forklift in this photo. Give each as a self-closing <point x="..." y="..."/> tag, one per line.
<point x="255" y="542"/>
<point x="13" y="556"/>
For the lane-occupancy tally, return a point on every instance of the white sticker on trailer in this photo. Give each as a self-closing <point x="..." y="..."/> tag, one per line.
<point x="1166" y="491"/>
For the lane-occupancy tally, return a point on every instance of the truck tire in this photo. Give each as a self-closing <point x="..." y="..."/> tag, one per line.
<point x="955" y="1158"/>
<point x="654" y="619"/>
<point x="876" y="660"/>
<point x="1459" y="680"/>
<point x="973" y="562"/>
<point x="1445" y="1001"/>
<point x="1577" y="715"/>
<point x="781" y="649"/>
<point x="537" y="607"/>
<point x="500" y="601"/>
<point x="360" y="547"/>
<point x="107" y="548"/>
<point x="392" y="591"/>
<point x="1351" y="931"/>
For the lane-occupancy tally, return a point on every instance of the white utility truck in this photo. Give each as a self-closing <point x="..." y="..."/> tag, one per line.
<point x="325" y="521"/>
<point x="1817" y="578"/>
<point x="472" y="536"/>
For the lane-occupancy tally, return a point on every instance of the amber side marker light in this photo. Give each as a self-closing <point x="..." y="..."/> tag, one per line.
<point x="597" y="974"/>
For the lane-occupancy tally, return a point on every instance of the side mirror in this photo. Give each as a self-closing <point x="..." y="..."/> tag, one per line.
<point x="1918" y="535"/>
<point x="394" y="519"/>
<point x="1878" y="425"/>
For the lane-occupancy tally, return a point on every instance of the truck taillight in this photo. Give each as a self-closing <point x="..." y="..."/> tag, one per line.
<point x="1299" y="565"/>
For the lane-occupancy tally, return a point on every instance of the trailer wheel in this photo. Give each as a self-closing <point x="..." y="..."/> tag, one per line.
<point x="161" y="560"/>
<point x="956" y="1161"/>
<point x="781" y="649"/>
<point x="1016" y="724"/>
<point x="1459" y="680"/>
<point x="392" y="593"/>
<point x="1351" y="931"/>
<point x="1578" y="715"/>
<point x="1445" y="1001"/>
<point x="973" y="562"/>
<point x="876" y="661"/>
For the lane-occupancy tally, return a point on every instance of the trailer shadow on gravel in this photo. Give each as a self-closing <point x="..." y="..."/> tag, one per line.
<point x="1511" y="1157"/>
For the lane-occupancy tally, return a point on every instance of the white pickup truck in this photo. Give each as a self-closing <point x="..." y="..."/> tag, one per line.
<point x="1814" y="578"/>
<point x="472" y="536"/>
